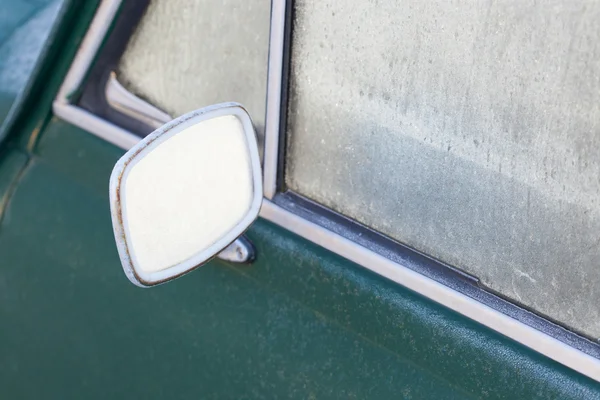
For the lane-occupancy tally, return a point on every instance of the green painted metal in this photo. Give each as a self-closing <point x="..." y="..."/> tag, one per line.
<point x="301" y="322"/>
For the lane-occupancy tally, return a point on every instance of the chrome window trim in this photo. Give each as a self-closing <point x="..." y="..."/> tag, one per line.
<point x="401" y="274"/>
<point x="129" y="104"/>
<point x="90" y="45"/>
<point x="274" y="92"/>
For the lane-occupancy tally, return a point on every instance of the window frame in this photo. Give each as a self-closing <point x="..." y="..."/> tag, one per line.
<point x="337" y="233"/>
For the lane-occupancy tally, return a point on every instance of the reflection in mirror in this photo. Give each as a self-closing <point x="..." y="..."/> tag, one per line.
<point x="185" y="192"/>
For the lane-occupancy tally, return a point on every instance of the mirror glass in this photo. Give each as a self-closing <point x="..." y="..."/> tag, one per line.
<point x="185" y="192"/>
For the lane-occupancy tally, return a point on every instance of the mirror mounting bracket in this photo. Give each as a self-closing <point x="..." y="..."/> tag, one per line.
<point x="241" y="251"/>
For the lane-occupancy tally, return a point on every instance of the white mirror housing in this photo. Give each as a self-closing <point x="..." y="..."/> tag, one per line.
<point x="185" y="192"/>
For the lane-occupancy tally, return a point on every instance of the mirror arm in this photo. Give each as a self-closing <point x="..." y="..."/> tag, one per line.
<point x="241" y="251"/>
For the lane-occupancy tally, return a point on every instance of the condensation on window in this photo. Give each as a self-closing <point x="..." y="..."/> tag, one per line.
<point x="188" y="54"/>
<point x="467" y="130"/>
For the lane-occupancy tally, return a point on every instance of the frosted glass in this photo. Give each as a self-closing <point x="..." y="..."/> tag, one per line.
<point x="189" y="54"/>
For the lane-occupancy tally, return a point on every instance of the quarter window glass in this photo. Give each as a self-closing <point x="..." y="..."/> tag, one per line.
<point x="467" y="130"/>
<point x="187" y="54"/>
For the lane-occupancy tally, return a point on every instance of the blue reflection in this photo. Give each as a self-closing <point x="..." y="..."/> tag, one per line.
<point x="24" y="28"/>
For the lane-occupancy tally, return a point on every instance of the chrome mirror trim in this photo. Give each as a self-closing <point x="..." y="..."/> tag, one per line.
<point x="274" y="87"/>
<point x="148" y="279"/>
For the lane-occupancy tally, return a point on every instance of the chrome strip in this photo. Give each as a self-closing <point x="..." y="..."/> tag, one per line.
<point x="276" y="43"/>
<point x="83" y="59"/>
<point x="129" y="104"/>
<point x="99" y="127"/>
<point x="435" y="291"/>
<point x="88" y="48"/>
<point x="512" y="328"/>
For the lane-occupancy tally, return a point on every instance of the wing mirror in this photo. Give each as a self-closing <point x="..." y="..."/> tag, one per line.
<point x="185" y="192"/>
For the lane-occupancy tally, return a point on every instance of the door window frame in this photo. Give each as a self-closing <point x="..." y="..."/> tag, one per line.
<point x="336" y="233"/>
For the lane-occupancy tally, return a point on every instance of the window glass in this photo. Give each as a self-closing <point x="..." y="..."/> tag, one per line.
<point x="466" y="130"/>
<point x="24" y="27"/>
<point x="187" y="54"/>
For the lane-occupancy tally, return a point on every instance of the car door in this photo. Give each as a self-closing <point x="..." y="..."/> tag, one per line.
<point x="360" y="286"/>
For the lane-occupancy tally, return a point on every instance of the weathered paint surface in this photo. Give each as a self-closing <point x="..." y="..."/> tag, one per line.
<point x="467" y="130"/>
<point x="12" y="163"/>
<point x="300" y="322"/>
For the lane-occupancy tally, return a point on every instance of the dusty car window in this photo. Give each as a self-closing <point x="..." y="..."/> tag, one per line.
<point x="466" y="130"/>
<point x="187" y="54"/>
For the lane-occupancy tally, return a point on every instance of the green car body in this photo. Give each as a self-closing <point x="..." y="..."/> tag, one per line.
<point x="299" y="322"/>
